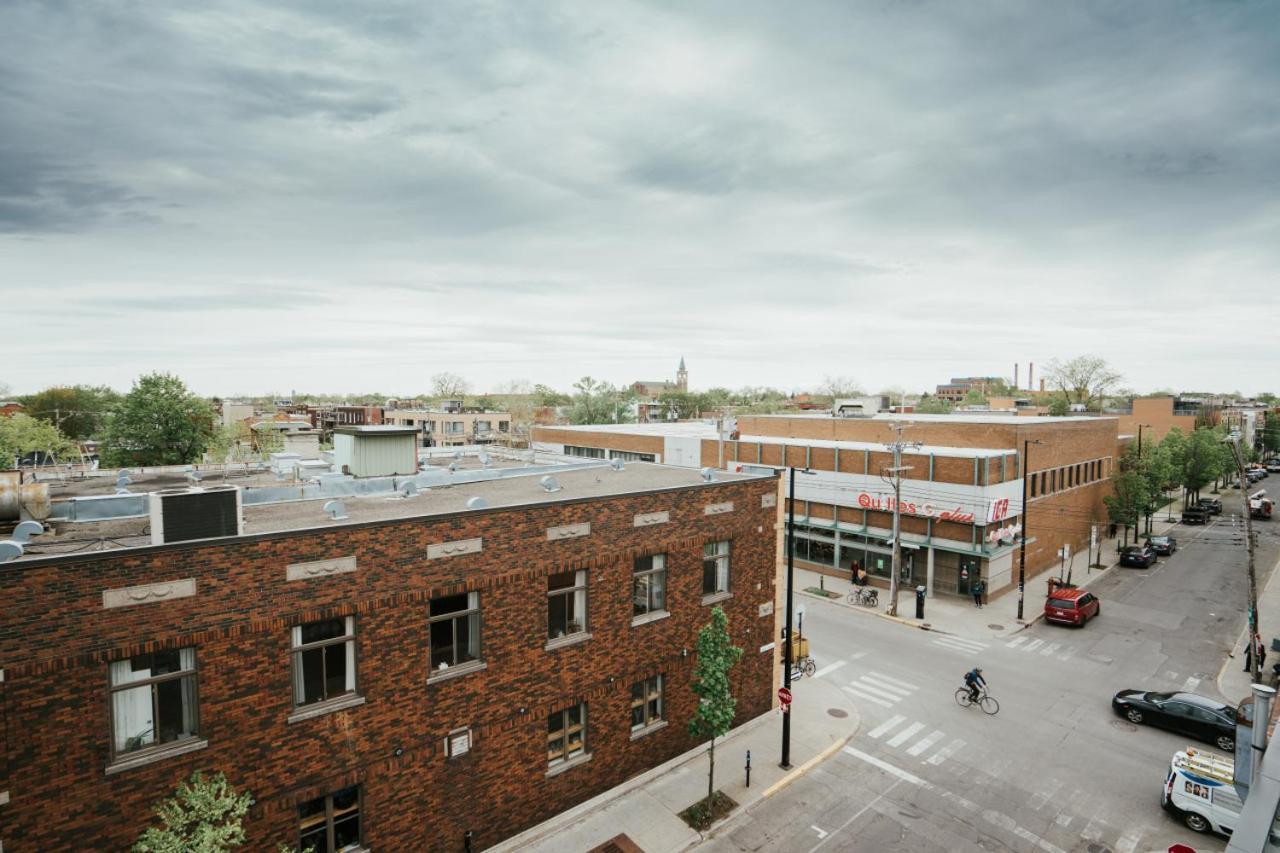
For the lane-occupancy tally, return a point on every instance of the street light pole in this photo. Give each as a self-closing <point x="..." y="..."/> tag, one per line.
<point x="785" y="764"/>
<point x="1022" y="552"/>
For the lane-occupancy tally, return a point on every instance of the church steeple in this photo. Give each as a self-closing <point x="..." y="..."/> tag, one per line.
<point x="682" y="376"/>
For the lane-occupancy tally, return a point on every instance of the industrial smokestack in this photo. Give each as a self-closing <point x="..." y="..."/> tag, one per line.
<point x="1015" y="376"/>
<point x="1041" y="384"/>
<point x="1031" y="369"/>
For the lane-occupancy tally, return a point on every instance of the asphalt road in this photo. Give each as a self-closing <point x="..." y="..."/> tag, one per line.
<point x="1055" y="770"/>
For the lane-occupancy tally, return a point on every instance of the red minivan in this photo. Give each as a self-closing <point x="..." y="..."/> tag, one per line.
<point x="1071" y="606"/>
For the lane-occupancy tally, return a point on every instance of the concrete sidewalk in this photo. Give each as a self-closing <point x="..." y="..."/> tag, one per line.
<point x="957" y="615"/>
<point x="1233" y="681"/>
<point x="647" y="808"/>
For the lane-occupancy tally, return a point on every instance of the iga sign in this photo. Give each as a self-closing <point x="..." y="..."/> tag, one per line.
<point x="997" y="510"/>
<point x="876" y="502"/>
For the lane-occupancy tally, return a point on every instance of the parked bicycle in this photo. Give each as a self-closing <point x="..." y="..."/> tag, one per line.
<point x="988" y="704"/>
<point x="865" y="596"/>
<point x="802" y="667"/>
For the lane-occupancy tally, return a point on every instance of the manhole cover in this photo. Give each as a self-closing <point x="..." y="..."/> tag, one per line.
<point x="1124" y="726"/>
<point x="836" y="712"/>
<point x="996" y="627"/>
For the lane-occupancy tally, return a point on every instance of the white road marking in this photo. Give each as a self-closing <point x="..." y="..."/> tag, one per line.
<point x="1190" y="685"/>
<point x="866" y="697"/>
<point x="893" y="694"/>
<point x="960" y="645"/>
<point x="859" y="813"/>
<point x="829" y="668"/>
<point x="1128" y="842"/>
<point x="1063" y="820"/>
<point x="1044" y="795"/>
<point x="886" y="766"/>
<point x="903" y="684"/>
<point x="821" y="832"/>
<point x="1015" y="642"/>
<point x="906" y="734"/>
<point x="888" y="724"/>
<point x="1051" y="648"/>
<point x="1033" y="645"/>
<point x="1093" y="829"/>
<point x="1007" y="823"/>
<point x="946" y="752"/>
<point x="857" y="655"/>
<point x="922" y="745"/>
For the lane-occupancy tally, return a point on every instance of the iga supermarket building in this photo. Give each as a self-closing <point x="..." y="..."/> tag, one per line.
<point x="962" y="513"/>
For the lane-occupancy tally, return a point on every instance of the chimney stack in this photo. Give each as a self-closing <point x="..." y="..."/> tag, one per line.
<point x="1015" y="375"/>
<point x="1042" y="385"/>
<point x="1031" y="369"/>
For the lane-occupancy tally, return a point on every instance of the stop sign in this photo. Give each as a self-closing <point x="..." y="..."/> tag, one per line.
<point x="1181" y="848"/>
<point x="784" y="696"/>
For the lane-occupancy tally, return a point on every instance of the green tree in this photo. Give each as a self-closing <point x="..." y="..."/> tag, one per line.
<point x="448" y="386"/>
<point x="1059" y="406"/>
<point x="1271" y="433"/>
<point x="159" y="422"/>
<point x="596" y="402"/>
<point x="204" y="815"/>
<point x="933" y="406"/>
<point x="548" y="396"/>
<point x="717" y="656"/>
<point x="80" y="411"/>
<point x="974" y="397"/>
<point x="1086" y="379"/>
<point x="1130" y="495"/>
<point x="21" y="434"/>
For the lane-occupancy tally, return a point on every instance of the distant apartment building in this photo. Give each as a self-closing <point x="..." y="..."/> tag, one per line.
<point x="962" y="515"/>
<point x="399" y="672"/>
<point x="1156" y="416"/>
<point x="959" y="386"/>
<point x="453" y="426"/>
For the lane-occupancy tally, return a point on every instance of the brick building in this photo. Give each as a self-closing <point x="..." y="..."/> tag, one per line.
<point x="453" y="427"/>
<point x="1157" y="415"/>
<point x="961" y="501"/>
<point x="959" y="386"/>
<point x="413" y="669"/>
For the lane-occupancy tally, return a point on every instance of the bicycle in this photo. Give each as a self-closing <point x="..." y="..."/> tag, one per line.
<point x="988" y="704"/>
<point x="802" y="667"/>
<point x="865" y="596"/>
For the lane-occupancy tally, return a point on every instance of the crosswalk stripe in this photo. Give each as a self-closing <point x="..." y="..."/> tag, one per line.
<point x="857" y="655"/>
<point x="946" y="752"/>
<point x="1015" y="642"/>
<point x="1051" y="648"/>
<point x="921" y="746"/>
<point x="885" y="766"/>
<point x="877" y="700"/>
<point x="829" y="668"/>
<point x="962" y="645"/>
<point x="1033" y="645"/>
<point x="1190" y="684"/>
<point x="1128" y="842"/>
<point x="905" y="735"/>
<point x="879" y="690"/>
<point x="888" y="724"/>
<point x="882" y="677"/>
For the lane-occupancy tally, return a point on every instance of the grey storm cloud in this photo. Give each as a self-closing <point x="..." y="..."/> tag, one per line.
<point x="564" y="188"/>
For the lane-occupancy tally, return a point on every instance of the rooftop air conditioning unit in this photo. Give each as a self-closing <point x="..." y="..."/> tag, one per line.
<point x="180" y="515"/>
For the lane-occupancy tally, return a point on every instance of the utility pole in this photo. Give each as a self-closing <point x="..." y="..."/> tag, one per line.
<point x="896" y="471"/>
<point x="1248" y="535"/>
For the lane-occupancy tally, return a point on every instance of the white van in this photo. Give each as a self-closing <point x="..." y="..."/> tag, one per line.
<point x="1199" y="790"/>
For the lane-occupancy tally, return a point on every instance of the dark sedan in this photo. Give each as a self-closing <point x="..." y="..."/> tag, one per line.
<point x="1163" y="545"/>
<point x="1141" y="556"/>
<point x="1184" y="713"/>
<point x="1213" y="506"/>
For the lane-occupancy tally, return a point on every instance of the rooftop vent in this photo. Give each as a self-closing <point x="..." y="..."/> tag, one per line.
<point x="551" y="484"/>
<point x="337" y="510"/>
<point x="408" y="490"/>
<point x="708" y="474"/>
<point x="617" y="464"/>
<point x="180" y="515"/>
<point x="477" y="503"/>
<point x="25" y="530"/>
<point x="9" y="550"/>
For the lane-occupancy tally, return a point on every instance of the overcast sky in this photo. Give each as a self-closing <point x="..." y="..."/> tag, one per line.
<point x="335" y="196"/>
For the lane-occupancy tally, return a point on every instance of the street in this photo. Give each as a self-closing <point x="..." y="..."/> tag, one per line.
<point x="1055" y="770"/>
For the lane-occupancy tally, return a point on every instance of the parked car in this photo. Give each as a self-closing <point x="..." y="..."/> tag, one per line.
<point x="1162" y="545"/>
<point x="1273" y="467"/>
<point x="1213" y="506"/>
<point x="1071" y="606"/>
<point x="1141" y="556"/>
<point x="1184" y="713"/>
<point x="1195" y="515"/>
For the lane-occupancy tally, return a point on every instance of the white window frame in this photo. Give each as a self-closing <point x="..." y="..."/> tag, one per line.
<point x="717" y="552"/>
<point x="298" y="648"/>
<point x="657" y="568"/>
<point x="651" y="691"/>
<point x="578" y="590"/>
<point x="472" y="612"/>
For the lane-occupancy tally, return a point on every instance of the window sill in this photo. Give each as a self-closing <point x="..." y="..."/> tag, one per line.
<point x="569" y="640"/>
<point x="715" y="597"/>
<point x="649" y="617"/>
<point x="329" y="706"/>
<point x="159" y="753"/>
<point x="649" y="729"/>
<point x="456" y="671"/>
<point x="568" y="765"/>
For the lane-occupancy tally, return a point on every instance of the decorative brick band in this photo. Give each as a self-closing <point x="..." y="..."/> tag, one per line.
<point x="454" y="549"/>
<point x="718" y="509"/>
<point x="645" y="519"/>
<point x="768" y="500"/>
<point x="148" y="593"/>
<point x="320" y="568"/>
<point x="568" y="531"/>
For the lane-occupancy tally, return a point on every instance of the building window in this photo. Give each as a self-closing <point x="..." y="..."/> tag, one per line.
<point x="504" y="426"/>
<point x="631" y="456"/>
<point x="566" y="604"/>
<point x="1035" y="481"/>
<point x="646" y="703"/>
<point x="483" y="426"/>
<point x="331" y="824"/>
<point x="1044" y="476"/>
<point x="587" y="452"/>
<point x="1053" y="480"/>
<point x="715" y="567"/>
<point x="566" y="734"/>
<point x="453" y="428"/>
<point x="649" y="585"/>
<point x="324" y="660"/>
<point x="455" y="630"/>
<point x="153" y="700"/>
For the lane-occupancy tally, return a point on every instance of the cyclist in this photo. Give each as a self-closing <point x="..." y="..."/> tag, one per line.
<point x="973" y="680"/>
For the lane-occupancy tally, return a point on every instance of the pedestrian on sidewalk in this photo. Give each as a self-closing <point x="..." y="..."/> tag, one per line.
<point x="977" y="593"/>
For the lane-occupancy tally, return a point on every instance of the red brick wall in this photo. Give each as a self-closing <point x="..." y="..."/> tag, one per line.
<point x="56" y="641"/>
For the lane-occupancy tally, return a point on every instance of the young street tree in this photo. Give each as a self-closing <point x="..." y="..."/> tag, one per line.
<point x="1086" y="379"/>
<point x="716" y="657"/>
<point x="204" y="815"/>
<point x="160" y="422"/>
<point x="21" y="434"/>
<point x="1130" y="497"/>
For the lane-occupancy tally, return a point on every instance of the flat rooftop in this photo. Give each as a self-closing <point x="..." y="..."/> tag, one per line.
<point x="687" y="429"/>
<point x="963" y="417"/>
<point x="587" y="481"/>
